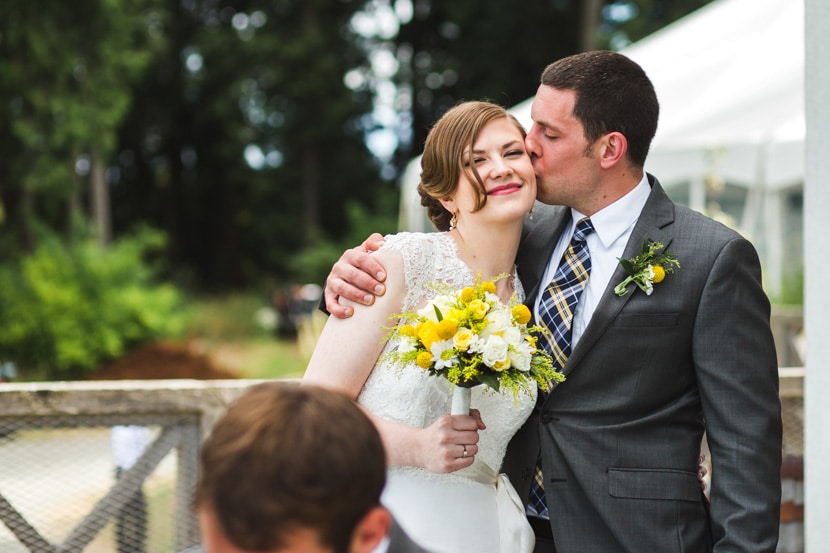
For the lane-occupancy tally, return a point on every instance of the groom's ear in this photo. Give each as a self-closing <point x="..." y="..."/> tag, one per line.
<point x="611" y="149"/>
<point x="371" y="530"/>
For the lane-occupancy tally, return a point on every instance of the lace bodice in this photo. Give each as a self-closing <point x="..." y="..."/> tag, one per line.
<point x="411" y="396"/>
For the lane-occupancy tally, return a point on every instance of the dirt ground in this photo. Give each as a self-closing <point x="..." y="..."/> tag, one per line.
<point x="162" y="361"/>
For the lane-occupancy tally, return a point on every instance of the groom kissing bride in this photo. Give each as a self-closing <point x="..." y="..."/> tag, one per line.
<point x="611" y="453"/>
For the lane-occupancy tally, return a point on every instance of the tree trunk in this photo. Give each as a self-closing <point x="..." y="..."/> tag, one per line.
<point x="27" y="207"/>
<point x="100" y="199"/>
<point x="311" y="194"/>
<point x="591" y="12"/>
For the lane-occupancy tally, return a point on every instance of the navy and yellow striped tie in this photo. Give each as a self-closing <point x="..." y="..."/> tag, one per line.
<point x="556" y="311"/>
<point x="558" y="302"/>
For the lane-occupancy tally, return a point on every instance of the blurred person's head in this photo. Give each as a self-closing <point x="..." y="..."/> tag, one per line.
<point x="292" y="469"/>
<point x="457" y="160"/>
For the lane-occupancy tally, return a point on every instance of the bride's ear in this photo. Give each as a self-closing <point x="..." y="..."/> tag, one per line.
<point x="449" y="205"/>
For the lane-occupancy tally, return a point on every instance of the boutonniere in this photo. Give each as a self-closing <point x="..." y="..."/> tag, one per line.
<point x="647" y="269"/>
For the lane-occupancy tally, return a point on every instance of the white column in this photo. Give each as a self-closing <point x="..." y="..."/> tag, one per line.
<point x="697" y="194"/>
<point x="816" y="287"/>
<point x="772" y="240"/>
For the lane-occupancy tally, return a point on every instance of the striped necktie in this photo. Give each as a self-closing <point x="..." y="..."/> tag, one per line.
<point x="556" y="311"/>
<point x="558" y="302"/>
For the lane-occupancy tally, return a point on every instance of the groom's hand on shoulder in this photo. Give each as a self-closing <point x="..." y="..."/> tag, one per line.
<point x="356" y="276"/>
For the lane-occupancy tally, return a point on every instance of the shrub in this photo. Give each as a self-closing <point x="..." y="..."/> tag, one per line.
<point x="65" y="310"/>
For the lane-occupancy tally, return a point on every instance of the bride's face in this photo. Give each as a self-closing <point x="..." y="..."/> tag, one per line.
<point x="505" y="168"/>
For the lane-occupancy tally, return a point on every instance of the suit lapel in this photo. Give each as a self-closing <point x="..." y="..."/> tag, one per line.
<point x="657" y="214"/>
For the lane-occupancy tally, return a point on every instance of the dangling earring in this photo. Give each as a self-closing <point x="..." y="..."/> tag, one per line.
<point x="530" y="213"/>
<point x="454" y="220"/>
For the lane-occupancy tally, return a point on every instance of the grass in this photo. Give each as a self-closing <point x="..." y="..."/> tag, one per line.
<point x="234" y="330"/>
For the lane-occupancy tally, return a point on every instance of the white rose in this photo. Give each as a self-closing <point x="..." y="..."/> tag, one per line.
<point x="520" y="357"/>
<point x="498" y="321"/>
<point x="513" y="336"/>
<point x="443" y="303"/>
<point x="495" y="351"/>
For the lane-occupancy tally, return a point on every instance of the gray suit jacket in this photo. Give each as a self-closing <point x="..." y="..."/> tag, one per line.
<point x="400" y="542"/>
<point x="620" y="437"/>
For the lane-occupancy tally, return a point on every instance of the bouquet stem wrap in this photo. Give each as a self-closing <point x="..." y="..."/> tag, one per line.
<point x="460" y="400"/>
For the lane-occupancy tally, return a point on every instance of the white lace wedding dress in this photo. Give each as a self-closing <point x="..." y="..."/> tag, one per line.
<point x="472" y="510"/>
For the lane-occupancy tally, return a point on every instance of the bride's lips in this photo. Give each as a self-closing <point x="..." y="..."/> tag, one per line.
<point x="504" y="189"/>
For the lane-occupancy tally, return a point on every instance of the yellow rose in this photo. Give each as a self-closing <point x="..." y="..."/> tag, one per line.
<point x="467" y="294"/>
<point x="427" y="333"/>
<point x="462" y="339"/>
<point x="478" y="309"/>
<point x="424" y="360"/>
<point x="501" y="365"/>
<point x="446" y="329"/>
<point x="659" y="273"/>
<point x="521" y="314"/>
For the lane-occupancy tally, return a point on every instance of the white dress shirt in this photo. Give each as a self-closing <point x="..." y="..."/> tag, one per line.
<point x="612" y="229"/>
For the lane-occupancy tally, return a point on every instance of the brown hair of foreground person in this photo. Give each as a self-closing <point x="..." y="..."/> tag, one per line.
<point x="288" y="464"/>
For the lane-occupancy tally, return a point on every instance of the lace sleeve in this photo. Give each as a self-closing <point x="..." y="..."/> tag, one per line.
<point x="419" y="253"/>
<point x="432" y="258"/>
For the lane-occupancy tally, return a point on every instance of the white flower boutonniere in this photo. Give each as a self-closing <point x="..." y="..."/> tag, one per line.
<point x="647" y="269"/>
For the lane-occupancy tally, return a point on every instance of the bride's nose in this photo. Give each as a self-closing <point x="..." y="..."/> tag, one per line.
<point x="500" y="168"/>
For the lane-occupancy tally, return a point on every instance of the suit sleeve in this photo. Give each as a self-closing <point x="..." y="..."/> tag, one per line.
<point x="737" y="372"/>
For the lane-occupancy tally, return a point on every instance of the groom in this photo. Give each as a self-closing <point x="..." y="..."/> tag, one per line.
<point x="618" y="441"/>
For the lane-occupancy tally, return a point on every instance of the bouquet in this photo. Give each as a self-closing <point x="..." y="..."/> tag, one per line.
<point x="471" y="337"/>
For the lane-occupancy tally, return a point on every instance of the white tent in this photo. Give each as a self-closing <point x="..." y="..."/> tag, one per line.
<point x="730" y="80"/>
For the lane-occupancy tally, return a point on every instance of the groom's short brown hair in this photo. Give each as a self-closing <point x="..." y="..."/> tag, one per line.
<point x="613" y="93"/>
<point x="286" y="457"/>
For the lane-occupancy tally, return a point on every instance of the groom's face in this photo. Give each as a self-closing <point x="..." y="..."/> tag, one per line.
<point x="563" y="160"/>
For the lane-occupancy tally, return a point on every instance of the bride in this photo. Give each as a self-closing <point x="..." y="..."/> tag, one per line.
<point x="478" y="184"/>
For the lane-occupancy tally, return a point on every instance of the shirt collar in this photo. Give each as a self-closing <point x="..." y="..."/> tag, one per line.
<point x="614" y="220"/>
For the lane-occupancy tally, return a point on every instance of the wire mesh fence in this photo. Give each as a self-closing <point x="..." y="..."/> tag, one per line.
<point x="110" y="467"/>
<point x="54" y="478"/>
<point x="103" y="470"/>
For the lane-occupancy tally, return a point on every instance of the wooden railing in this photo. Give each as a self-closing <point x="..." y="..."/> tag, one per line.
<point x="181" y="412"/>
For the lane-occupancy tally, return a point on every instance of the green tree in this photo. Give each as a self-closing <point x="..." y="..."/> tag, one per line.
<point x="489" y="49"/>
<point x="66" y="71"/>
<point x="483" y="49"/>
<point x="244" y="144"/>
